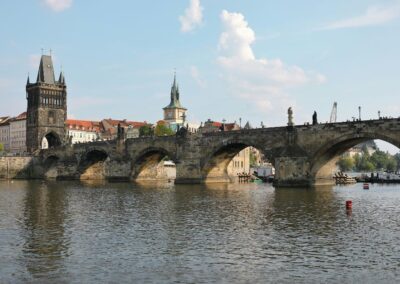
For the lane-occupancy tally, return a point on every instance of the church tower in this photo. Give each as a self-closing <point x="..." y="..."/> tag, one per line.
<point x="174" y="113"/>
<point x="47" y="107"/>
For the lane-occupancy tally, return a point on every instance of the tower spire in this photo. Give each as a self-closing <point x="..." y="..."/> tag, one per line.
<point x="61" y="79"/>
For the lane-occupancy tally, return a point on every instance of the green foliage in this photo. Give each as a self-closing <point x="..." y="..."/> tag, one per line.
<point x="146" y="130"/>
<point x="1" y="147"/>
<point x="391" y="165"/>
<point x="163" y="130"/>
<point x="253" y="159"/>
<point x="346" y="164"/>
<point x="397" y="159"/>
<point x="378" y="161"/>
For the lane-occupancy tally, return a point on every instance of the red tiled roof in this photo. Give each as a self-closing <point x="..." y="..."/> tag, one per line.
<point x="230" y="126"/>
<point x="126" y="123"/>
<point x="225" y="126"/>
<point x="86" y="125"/>
<point x="21" y="116"/>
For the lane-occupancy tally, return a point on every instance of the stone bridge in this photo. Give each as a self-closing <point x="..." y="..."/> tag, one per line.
<point x="302" y="155"/>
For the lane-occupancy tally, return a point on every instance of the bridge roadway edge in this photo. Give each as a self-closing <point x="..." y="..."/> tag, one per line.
<point x="302" y="155"/>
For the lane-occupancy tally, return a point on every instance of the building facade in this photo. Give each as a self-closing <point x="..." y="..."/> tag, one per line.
<point x="110" y="128"/>
<point x="5" y="133"/>
<point x="47" y="107"/>
<point x="240" y="163"/>
<point x="83" y="131"/>
<point x="18" y="134"/>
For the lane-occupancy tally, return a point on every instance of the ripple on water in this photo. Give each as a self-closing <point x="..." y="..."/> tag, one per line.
<point x="89" y="233"/>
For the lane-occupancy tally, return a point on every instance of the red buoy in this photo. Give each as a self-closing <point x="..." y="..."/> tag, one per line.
<point x="349" y="204"/>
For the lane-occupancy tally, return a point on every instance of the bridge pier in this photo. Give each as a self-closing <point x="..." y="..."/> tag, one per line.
<point x="303" y="155"/>
<point x="292" y="172"/>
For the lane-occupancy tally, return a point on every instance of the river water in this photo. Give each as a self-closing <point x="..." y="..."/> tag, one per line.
<point x="71" y="232"/>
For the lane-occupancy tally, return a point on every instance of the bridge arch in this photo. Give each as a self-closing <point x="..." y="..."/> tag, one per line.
<point x="323" y="162"/>
<point x="148" y="165"/>
<point x="51" y="140"/>
<point x="215" y="166"/>
<point x="92" y="164"/>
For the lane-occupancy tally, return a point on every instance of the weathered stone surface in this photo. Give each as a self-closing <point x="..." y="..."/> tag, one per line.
<point x="19" y="168"/>
<point x="303" y="155"/>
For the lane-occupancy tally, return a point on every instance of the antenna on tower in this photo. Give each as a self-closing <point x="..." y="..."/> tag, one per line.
<point x="333" y="113"/>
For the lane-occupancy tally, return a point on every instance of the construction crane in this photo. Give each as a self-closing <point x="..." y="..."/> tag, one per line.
<point x="333" y="113"/>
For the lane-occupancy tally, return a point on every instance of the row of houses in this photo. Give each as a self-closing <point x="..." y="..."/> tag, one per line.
<point x="13" y="131"/>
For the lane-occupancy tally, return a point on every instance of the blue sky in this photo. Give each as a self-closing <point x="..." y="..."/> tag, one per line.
<point x="234" y="59"/>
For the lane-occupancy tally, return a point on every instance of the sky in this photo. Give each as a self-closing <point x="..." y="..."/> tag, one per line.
<point x="235" y="60"/>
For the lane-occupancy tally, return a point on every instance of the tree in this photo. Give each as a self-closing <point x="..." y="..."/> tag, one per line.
<point x="365" y="164"/>
<point x="391" y="165"/>
<point x="163" y="130"/>
<point x="357" y="161"/>
<point x="146" y="130"/>
<point x="380" y="159"/>
<point x="253" y="159"/>
<point x="397" y="158"/>
<point x="346" y="164"/>
<point x="1" y="147"/>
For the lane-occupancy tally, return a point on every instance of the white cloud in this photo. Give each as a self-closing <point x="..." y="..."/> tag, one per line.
<point x="58" y="5"/>
<point x="193" y="16"/>
<point x="261" y="81"/>
<point x="375" y="15"/>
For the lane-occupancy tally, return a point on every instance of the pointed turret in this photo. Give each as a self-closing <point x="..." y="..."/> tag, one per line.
<point x="46" y="70"/>
<point x="27" y="80"/>
<point x="175" y="103"/>
<point x="61" y="79"/>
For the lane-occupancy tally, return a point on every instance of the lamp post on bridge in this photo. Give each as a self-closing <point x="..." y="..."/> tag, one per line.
<point x="359" y="113"/>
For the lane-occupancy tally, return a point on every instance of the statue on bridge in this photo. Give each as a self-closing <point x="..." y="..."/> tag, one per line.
<point x="314" y="118"/>
<point x="290" y="117"/>
<point x="120" y="132"/>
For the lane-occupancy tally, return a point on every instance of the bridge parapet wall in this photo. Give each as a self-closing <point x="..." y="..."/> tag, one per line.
<point x="298" y="153"/>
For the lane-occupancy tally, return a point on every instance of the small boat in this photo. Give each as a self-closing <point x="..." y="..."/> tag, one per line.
<point x="366" y="186"/>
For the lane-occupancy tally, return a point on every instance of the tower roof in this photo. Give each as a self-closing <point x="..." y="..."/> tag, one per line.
<point x="174" y="103"/>
<point x="46" y="70"/>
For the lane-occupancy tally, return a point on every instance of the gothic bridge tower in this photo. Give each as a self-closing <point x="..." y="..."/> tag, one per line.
<point x="47" y="108"/>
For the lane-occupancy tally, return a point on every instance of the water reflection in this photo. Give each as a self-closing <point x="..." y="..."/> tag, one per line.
<point x="46" y="244"/>
<point x="121" y="232"/>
